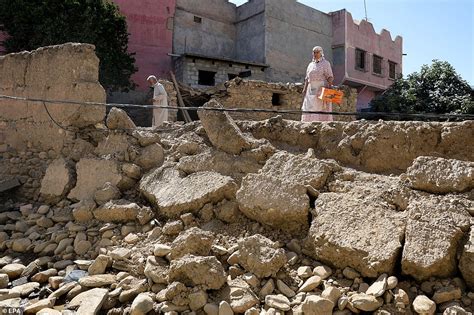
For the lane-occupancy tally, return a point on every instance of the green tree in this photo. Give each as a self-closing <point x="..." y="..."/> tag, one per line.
<point x="435" y="89"/>
<point x="34" y="23"/>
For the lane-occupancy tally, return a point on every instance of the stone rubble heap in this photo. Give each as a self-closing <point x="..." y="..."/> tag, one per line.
<point x="206" y="219"/>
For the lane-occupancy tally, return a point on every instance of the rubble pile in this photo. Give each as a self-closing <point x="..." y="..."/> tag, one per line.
<point x="204" y="218"/>
<point x="225" y="217"/>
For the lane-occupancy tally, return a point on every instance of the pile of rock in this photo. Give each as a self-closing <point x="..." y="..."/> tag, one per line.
<point x="207" y="219"/>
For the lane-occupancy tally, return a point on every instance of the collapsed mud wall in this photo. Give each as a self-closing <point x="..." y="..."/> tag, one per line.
<point x="377" y="147"/>
<point x="250" y="94"/>
<point x="63" y="72"/>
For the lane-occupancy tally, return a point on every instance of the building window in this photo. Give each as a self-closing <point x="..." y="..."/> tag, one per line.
<point x="276" y="99"/>
<point x="207" y="78"/>
<point x="360" y="59"/>
<point x="392" y="66"/>
<point x="245" y="74"/>
<point x="377" y="65"/>
<point x="197" y="19"/>
<point x="232" y="76"/>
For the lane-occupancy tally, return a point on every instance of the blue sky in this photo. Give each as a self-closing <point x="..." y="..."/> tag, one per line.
<point x="431" y="29"/>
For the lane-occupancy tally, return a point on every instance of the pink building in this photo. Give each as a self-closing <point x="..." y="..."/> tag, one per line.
<point x="364" y="59"/>
<point x="150" y="24"/>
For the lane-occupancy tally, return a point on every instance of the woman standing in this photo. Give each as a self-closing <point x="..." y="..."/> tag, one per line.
<point x="318" y="75"/>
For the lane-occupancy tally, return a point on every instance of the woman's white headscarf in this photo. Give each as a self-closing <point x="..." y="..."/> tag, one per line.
<point x="318" y="48"/>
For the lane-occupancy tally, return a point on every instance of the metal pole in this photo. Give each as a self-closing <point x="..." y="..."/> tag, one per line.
<point x="365" y="6"/>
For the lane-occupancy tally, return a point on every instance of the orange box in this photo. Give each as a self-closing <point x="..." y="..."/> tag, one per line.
<point x="331" y="96"/>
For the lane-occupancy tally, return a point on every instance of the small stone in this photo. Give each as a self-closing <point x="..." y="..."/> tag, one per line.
<point x="392" y="282"/>
<point x="89" y="302"/>
<point x="365" y="302"/>
<point x="99" y="265"/>
<point x="447" y="294"/>
<point x="55" y="281"/>
<point x="279" y="302"/>
<point x="41" y="304"/>
<point x="225" y="309"/>
<point x="251" y="279"/>
<point x="132" y="238"/>
<point x="315" y="305"/>
<point x="25" y="289"/>
<point x="304" y="272"/>
<point x="4" y="280"/>
<point x="332" y="294"/>
<point x="286" y="290"/>
<point x="97" y="280"/>
<point x="161" y="250"/>
<point x="310" y="284"/>
<point x="49" y="311"/>
<point x="363" y="287"/>
<point x="456" y="310"/>
<point x="233" y="258"/>
<point x="82" y="247"/>
<point x="402" y="297"/>
<point x="423" y="305"/>
<point x="379" y="286"/>
<point x="13" y="270"/>
<point x="173" y="228"/>
<point x="267" y="289"/>
<point x="212" y="309"/>
<point x="43" y="276"/>
<point x="197" y="300"/>
<point x="142" y="304"/>
<point x="350" y="273"/>
<point x="322" y="271"/>
<point x="43" y="209"/>
<point x="21" y="245"/>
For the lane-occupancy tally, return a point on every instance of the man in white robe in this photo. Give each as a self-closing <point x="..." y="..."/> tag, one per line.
<point x="160" y="98"/>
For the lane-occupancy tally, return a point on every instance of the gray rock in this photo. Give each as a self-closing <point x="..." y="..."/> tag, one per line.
<point x="466" y="263"/>
<point x="315" y="305"/>
<point x="89" y="302"/>
<point x="142" y="304"/>
<point x="423" y="305"/>
<point x="106" y="193"/>
<point x="150" y="157"/>
<point x="192" y="241"/>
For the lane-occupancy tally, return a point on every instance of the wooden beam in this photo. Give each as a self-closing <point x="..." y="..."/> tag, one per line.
<point x="187" y="118"/>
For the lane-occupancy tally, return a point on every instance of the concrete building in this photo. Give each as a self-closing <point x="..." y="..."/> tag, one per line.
<point x="272" y="40"/>
<point x="208" y="42"/>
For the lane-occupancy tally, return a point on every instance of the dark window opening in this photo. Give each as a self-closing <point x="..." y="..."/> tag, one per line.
<point x="247" y="67"/>
<point x="230" y="65"/>
<point x="232" y="76"/>
<point x="360" y="59"/>
<point x="207" y="78"/>
<point x="263" y="69"/>
<point x="197" y="19"/>
<point x="392" y="66"/>
<point x="276" y="99"/>
<point x="245" y="74"/>
<point x="377" y="65"/>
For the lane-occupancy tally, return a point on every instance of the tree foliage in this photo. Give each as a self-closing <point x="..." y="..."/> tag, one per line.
<point x="35" y="23"/>
<point x="435" y="89"/>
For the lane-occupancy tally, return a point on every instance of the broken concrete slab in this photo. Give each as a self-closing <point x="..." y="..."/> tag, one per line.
<point x="120" y="211"/>
<point x="222" y="130"/>
<point x="173" y="194"/>
<point x="278" y="194"/>
<point x="89" y="302"/>
<point x="438" y="175"/>
<point x="435" y="227"/>
<point x="8" y="184"/>
<point x="92" y="174"/>
<point x="57" y="181"/>
<point x="358" y="231"/>
<point x="191" y="270"/>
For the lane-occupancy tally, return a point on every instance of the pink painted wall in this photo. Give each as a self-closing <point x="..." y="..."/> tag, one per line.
<point x="362" y="35"/>
<point x="150" y="24"/>
<point x="364" y="97"/>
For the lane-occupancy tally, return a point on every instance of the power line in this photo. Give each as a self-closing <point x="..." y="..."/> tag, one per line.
<point x="248" y="110"/>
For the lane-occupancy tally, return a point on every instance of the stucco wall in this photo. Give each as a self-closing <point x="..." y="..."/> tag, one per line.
<point x="292" y="30"/>
<point x="362" y="35"/>
<point x="214" y="36"/>
<point x="63" y="72"/>
<point x="151" y="34"/>
<point x="250" y="41"/>
<point x="258" y="94"/>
